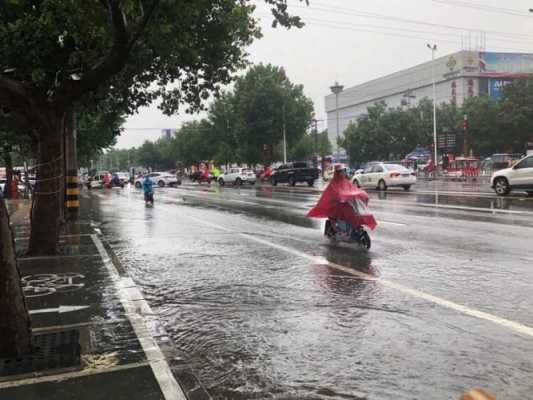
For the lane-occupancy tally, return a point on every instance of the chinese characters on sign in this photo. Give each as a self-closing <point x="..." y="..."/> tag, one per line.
<point x="470" y="88"/>
<point x="454" y="92"/>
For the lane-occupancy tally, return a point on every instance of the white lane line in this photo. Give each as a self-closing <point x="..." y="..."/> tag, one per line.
<point x="136" y="307"/>
<point x="512" y="325"/>
<point x="391" y="223"/>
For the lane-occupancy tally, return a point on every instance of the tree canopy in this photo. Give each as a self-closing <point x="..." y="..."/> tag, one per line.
<point x="56" y="51"/>
<point x="243" y="125"/>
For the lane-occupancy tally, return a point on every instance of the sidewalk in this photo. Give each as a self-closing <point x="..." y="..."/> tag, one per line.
<point x="81" y="289"/>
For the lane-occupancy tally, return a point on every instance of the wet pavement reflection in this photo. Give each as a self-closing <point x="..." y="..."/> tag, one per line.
<point x="254" y="320"/>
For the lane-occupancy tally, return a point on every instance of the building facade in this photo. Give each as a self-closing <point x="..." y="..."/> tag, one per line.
<point x="458" y="76"/>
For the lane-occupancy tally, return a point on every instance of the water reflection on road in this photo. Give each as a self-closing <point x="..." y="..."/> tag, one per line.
<point x="254" y="321"/>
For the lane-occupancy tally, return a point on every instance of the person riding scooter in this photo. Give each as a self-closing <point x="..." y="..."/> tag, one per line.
<point x="115" y="181"/>
<point x="343" y="201"/>
<point x="148" y="190"/>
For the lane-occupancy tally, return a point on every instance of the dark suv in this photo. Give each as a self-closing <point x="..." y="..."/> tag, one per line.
<point x="295" y="172"/>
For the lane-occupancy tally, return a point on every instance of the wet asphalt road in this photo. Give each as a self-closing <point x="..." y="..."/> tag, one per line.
<point x="260" y="306"/>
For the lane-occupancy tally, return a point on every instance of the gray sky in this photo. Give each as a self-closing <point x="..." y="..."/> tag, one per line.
<point x="354" y="41"/>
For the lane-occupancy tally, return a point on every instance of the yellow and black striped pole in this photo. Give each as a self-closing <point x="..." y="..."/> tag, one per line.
<point x="72" y="195"/>
<point x="72" y="181"/>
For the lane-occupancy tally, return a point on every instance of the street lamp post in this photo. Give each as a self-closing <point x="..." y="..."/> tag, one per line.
<point x="433" y="49"/>
<point x="336" y="89"/>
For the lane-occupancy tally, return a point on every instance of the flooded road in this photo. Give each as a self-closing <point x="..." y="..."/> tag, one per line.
<point x="258" y="305"/>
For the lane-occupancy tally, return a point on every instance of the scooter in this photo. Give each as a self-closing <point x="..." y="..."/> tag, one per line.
<point x="149" y="199"/>
<point x="342" y="231"/>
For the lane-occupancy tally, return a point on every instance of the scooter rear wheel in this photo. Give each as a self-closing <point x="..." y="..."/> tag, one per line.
<point x="365" y="240"/>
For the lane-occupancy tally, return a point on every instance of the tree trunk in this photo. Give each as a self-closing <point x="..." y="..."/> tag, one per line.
<point x="15" y="328"/>
<point x="9" y="172"/>
<point x="48" y="196"/>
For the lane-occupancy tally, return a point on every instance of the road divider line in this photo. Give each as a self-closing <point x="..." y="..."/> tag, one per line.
<point x="506" y="323"/>
<point x="135" y="306"/>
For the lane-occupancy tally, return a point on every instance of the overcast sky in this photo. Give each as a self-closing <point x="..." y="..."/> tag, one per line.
<point x="354" y="41"/>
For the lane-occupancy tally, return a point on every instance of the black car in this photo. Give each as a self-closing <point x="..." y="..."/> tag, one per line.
<point x="295" y="172"/>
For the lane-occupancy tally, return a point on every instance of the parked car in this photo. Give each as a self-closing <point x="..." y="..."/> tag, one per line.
<point x="96" y="181"/>
<point x="160" y="179"/>
<point x="517" y="177"/>
<point x="237" y="176"/>
<point x="382" y="176"/>
<point x="124" y="177"/>
<point x="295" y="172"/>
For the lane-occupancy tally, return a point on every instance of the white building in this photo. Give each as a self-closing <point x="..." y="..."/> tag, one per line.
<point x="458" y="76"/>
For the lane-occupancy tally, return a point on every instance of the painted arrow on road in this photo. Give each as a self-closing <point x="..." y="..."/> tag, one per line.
<point x="60" y="309"/>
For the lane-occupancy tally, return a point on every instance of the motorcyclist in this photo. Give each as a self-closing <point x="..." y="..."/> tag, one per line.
<point x="148" y="190"/>
<point x="115" y="181"/>
<point x="215" y="172"/>
<point x="106" y="181"/>
<point x="340" y="202"/>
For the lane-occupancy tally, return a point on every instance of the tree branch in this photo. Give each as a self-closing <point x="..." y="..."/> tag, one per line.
<point x="113" y="63"/>
<point x="117" y="58"/>
<point x="144" y="23"/>
<point x="13" y="94"/>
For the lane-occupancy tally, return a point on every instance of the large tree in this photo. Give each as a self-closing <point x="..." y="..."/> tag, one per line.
<point x="15" y="333"/>
<point x="266" y="103"/>
<point x="309" y="145"/>
<point x="516" y="116"/>
<point x="54" y="53"/>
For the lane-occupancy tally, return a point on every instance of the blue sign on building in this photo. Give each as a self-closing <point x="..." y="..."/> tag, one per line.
<point x="496" y="87"/>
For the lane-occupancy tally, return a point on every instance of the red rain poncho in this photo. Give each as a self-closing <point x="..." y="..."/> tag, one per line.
<point x="344" y="201"/>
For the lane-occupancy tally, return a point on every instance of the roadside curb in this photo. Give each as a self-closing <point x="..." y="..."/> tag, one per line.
<point x="137" y="309"/>
<point x="182" y="384"/>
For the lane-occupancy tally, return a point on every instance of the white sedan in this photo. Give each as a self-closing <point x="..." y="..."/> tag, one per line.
<point x="381" y="176"/>
<point x="160" y="179"/>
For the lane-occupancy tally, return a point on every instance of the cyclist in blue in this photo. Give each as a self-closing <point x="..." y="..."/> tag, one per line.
<point x="148" y="191"/>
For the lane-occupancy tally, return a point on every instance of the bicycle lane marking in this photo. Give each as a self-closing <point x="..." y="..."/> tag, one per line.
<point x="509" y="324"/>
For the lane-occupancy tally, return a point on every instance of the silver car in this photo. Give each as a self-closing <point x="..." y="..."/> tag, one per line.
<point x="383" y="175"/>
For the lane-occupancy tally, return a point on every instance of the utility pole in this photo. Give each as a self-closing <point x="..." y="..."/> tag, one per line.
<point x="466" y="143"/>
<point x="433" y="49"/>
<point x="336" y="89"/>
<point x="72" y="181"/>
<point x="315" y="122"/>
<point x="284" y="136"/>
